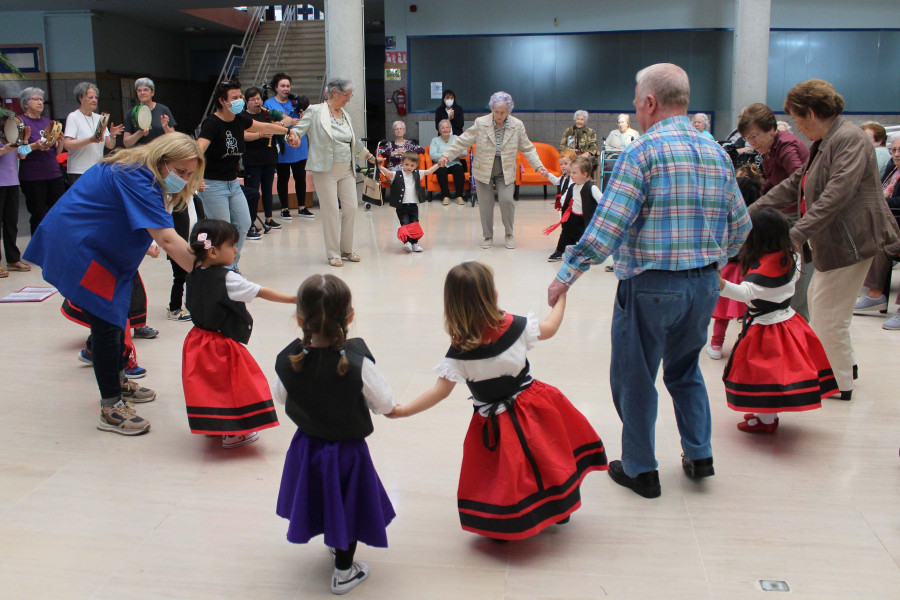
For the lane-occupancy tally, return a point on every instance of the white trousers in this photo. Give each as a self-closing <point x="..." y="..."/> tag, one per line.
<point x="338" y="222"/>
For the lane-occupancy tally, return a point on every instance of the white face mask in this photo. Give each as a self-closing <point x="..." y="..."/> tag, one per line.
<point x="448" y="103"/>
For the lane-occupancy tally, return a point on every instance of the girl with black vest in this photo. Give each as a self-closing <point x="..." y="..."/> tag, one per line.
<point x="527" y="449"/>
<point x="225" y="391"/>
<point x="778" y="364"/>
<point x="578" y="206"/>
<point x="406" y="195"/>
<point x="328" y="384"/>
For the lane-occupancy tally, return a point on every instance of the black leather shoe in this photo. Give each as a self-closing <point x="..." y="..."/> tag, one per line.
<point x="645" y="484"/>
<point x="697" y="469"/>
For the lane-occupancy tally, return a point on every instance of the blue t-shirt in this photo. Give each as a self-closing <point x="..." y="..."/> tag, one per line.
<point x="290" y="154"/>
<point x="93" y="240"/>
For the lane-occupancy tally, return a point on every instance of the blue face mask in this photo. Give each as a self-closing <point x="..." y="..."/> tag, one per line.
<point x="173" y="182"/>
<point x="237" y="106"/>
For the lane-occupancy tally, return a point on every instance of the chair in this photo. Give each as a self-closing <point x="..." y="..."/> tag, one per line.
<point x="433" y="185"/>
<point x="525" y="175"/>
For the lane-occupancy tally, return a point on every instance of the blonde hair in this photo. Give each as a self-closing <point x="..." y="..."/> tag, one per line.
<point x="324" y="306"/>
<point x="568" y="153"/>
<point x="584" y="165"/>
<point x="165" y="148"/>
<point x="470" y="304"/>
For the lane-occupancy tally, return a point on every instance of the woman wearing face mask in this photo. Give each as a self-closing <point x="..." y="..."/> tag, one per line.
<point x="222" y="139"/>
<point x="92" y="242"/>
<point x="451" y="111"/>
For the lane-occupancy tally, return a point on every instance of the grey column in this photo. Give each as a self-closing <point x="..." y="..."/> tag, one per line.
<point x="345" y="54"/>
<point x="750" y="71"/>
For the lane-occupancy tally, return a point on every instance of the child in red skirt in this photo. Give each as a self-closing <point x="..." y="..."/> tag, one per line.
<point x="527" y="449"/>
<point x="225" y="391"/>
<point x="778" y="364"/>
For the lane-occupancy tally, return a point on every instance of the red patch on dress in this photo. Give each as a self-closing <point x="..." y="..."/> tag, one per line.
<point x="99" y="280"/>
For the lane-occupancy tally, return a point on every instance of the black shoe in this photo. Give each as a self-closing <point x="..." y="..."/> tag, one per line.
<point x="843" y="395"/>
<point x="273" y="224"/>
<point x="304" y="213"/>
<point x="555" y="257"/>
<point x="253" y="235"/>
<point x="286" y="214"/>
<point x="645" y="484"/>
<point x="697" y="469"/>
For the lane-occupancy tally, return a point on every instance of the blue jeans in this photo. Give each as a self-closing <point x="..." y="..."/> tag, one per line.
<point x="225" y="201"/>
<point x="661" y="316"/>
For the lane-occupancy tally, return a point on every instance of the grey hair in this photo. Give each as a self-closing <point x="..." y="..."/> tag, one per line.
<point x="627" y="118"/>
<point x="703" y="117"/>
<point x="83" y="88"/>
<point x="667" y="82"/>
<point x="27" y="93"/>
<point x="338" y="84"/>
<point x="447" y="121"/>
<point x="498" y="98"/>
<point x="787" y="126"/>
<point x="581" y="113"/>
<point x="395" y="123"/>
<point x="146" y="82"/>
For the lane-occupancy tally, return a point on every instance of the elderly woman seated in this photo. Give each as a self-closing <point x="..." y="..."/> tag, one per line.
<point x="579" y="137"/>
<point x="392" y="152"/>
<point x="622" y="136"/>
<point x="701" y="124"/>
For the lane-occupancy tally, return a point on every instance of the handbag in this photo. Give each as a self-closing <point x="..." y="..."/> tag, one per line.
<point x="372" y="189"/>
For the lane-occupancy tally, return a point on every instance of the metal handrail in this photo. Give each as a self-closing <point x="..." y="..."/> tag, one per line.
<point x="288" y="15"/>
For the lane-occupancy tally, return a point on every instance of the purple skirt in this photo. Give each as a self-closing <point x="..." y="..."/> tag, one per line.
<point x="332" y="488"/>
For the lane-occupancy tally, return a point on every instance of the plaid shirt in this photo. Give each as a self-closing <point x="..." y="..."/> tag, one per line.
<point x="672" y="204"/>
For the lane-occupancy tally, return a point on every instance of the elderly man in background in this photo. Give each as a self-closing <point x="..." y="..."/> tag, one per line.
<point x="621" y="136"/>
<point x="498" y="137"/>
<point x="79" y="137"/>
<point x="669" y="240"/>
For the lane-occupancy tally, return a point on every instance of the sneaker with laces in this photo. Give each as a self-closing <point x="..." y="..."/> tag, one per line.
<point x="134" y="371"/>
<point x="408" y="246"/>
<point x="122" y="419"/>
<point x="417" y="248"/>
<point x="344" y="581"/>
<point x="486" y="243"/>
<point x="254" y="235"/>
<point x="304" y="213"/>
<point x="511" y="242"/>
<point x="132" y="392"/>
<point x="555" y="257"/>
<point x="148" y="333"/>
<point x="286" y="215"/>
<point x="180" y="315"/>
<point x="273" y="224"/>
<point x="868" y="304"/>
<point x="892" y="324"/>
<point x="85" y="356"/>
<point x="234" y="441"/>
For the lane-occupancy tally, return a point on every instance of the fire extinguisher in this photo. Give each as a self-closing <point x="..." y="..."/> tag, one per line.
<point x="399" y="98"/>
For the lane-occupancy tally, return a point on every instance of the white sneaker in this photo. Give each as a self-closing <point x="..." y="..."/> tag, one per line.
<point x="893" y="323"/>
<point x="511" y="242"/>
<point x="344" y="581"/>
<point x="234" y="441"/>
<point x="417" y="248"/>
<point x="408" y="246"/>
<point x="487" y="243"/>
<point x="714" y="352"/>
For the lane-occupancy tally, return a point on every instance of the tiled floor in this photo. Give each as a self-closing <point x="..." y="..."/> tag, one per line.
<point x="85" y="514"/>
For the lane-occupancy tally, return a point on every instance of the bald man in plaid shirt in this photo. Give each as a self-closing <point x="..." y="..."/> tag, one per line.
<point x="673" y="215"/>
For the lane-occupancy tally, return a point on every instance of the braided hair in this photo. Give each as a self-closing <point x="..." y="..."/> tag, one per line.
<point x="217" y="233"/>
<point x="324" y="308"/>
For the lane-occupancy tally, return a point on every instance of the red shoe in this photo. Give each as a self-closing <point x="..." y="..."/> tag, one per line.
<point x="758" y="426"/>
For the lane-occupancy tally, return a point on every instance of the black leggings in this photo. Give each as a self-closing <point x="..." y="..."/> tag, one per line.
<point x="40" y="196"/>
<point x="108" y="357"/>
<point x="9" y="222"/>
<point x="263" y="176"/>
<point x="284" y="171"/>
<point x="343" y="559"/>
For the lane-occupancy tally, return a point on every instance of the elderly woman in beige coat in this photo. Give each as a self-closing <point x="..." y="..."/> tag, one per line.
<point x="332" y="145"/>
<point x="498" y="137"/>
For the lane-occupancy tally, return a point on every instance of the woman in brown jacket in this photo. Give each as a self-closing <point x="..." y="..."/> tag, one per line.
<point x="844" y="219"/>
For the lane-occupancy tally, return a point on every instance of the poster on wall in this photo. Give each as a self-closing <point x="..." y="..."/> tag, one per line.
<point x="390" y="42"/>
<point x="437" y="90"/>
<point x="395" y="58"/>
<point x="392" y="75"/>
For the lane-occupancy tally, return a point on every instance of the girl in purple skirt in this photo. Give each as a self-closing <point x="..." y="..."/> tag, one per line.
<point x="329" y="384"/>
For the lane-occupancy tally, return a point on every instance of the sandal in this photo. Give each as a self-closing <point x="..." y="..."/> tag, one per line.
<point x="19" y="266"/>
<point x="3" y="273"/>
<point x="335" y="262"/>
<point x="351" y="256"/>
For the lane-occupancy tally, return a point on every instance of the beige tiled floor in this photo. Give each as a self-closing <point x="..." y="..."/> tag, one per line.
<point x="84" y="514"/>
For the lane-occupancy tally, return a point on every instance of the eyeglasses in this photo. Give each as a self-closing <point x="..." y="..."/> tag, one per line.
<point x="347" y="95"/>
<point x="36" y="99"/>
<point x="752" y="138"/>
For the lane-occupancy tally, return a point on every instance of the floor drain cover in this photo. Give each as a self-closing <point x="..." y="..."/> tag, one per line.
<point x="774" y="585"/>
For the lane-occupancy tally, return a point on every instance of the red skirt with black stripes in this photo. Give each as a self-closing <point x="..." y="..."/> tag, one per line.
<point x="524" y="475"/>
<point x="225" y="391"/>
<point x="778" y="368"/>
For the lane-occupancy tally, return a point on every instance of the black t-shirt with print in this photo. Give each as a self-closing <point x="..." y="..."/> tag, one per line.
<point x="226" y="144"/>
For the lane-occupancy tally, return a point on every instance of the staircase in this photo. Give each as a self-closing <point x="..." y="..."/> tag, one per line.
<point x="302" y="56"/>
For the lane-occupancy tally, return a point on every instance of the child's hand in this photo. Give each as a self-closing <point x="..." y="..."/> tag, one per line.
<point x="153" y="251"/>
<point x="721" y="283"/>
<point x="396" y="413"/>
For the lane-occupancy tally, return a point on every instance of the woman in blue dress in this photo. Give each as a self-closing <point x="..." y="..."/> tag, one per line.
<point x="92" y="241"/>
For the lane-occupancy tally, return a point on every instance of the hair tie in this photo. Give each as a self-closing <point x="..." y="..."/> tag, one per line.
<point x="343" y="352"/>
<point x="202" y="237"/>
<point x="305" y="351"/>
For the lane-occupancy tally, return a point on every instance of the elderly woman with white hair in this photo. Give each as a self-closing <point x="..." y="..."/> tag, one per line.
<point x="579" y="137"/>
<point x="701" y="124"/>
<point x="392" y="152"/>
<point x="498" y="138"/>
<point x="332" y="144"/>
<point x="621" y="136"/>
<point x="39" y="175"/>
<point x="161" y="119"/>
<point x="80" y="135"/>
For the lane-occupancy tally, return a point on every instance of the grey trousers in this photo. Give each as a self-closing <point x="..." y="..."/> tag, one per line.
<point x="338" y="223"/>
<point x="486" y="201"/>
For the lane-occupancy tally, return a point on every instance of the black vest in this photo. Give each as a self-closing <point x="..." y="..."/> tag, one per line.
<point x="588" y="204"/>
<point x="563" y="186"/>
<point x="398" y="188"/>
<point x="320" y="402"/>
<point x="212" y="309"/>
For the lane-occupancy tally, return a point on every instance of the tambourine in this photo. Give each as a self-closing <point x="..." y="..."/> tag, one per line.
<point x="101" y="126"/>
<point x="141" y="117"/>
<point x="51" y="135"/>
<point x="13" y="131"/>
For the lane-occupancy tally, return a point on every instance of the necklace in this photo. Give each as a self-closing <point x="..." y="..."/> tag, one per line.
<point x="90" y="121"/>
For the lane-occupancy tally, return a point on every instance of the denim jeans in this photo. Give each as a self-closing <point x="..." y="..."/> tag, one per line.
<point x="661" y="316"/>
<point x="108" y="357"/>
<point x="225" y="201"/>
